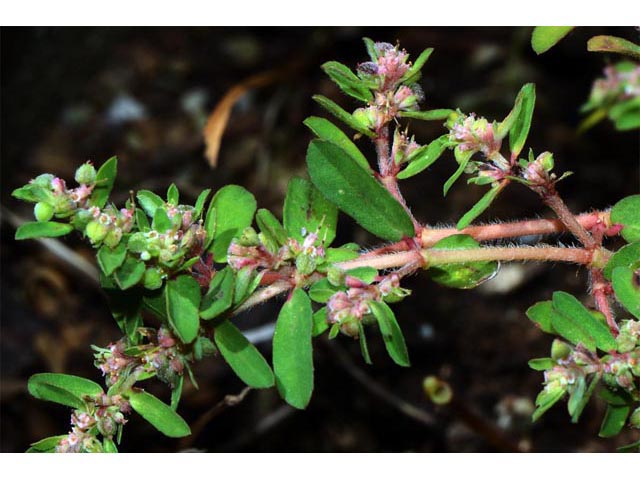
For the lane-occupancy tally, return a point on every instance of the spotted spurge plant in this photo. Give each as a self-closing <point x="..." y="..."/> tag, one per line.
<point x="193" y="268"/>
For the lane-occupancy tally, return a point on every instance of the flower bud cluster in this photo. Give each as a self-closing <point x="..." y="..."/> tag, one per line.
<point x="621" y="82"/>
<point x="349" y="308"/>
<point x="104" y="415"/>
<point x="106" y="226"/>
<point x="403" y="146"/>
<point x="538" y="172"/>
<point x="475" y="134"/>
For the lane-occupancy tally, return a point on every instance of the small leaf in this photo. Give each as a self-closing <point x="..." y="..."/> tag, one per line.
<point x="424" y="157"/>
<point x="149" y="202"/>
<point x="510" y="120"/>
<point x="356" y="193"/>
<point x="371" y="49"/>
<point x="126" y="308"/>
<point x="245" y="360"/>
<point x="271" y="227"/>
<point x="247" y="280"/>
<point x="104" y="183"/>
<point x="32" y="192"/>
<point x="322" y="291"/>
<point x="42" y="229"/>
<point x="461" y="275"/>
<point x="520" y="129"/>
<point x="578" y="407"/>
<point x="200" y="201"/>
<point x="626" y="285"/>
<point x="543" y="38"/>
<point x="608" y="43"/>
<point x="627" y="213"/>
<point x="176" y="393"/>
<point x="292" y="350"/>
<point x="235" y="207"/>
<point x="129" y="273"/>
<point x="391" y="333"/>
<point x="109" y="446"/>
<point x="541" y="364"/>
<point x="320" y="323"/>
<point x="161" y="221"/>
<point x="210" y="226"/>
<point x="571" y="307"/>
<point x="173" y="195"/>
<point x="427" y="115"/>
<point x="572" y="330"/>
<point x="366" y="274"/>
<point x="111" y="258"/>
<point x="155" y="303"/>
<point x="546" y="400"/>
<point x="614" y="419"/>
<point x="542" y="314"/>
<point x="364" y="348"/>
<point x="627" y="256"/>
<point x="577" y="395"/>
<point x="158" y="414"/>
<point x="182" y="296"/>
<point x="307" y="210"/>
<point x="482" y="204"/>
<point x="142" y="221"/>
<point x="48" y="444"/>
<point x="326" y="130"/>
<point x="219" y="298"/>
<point x="462" y="157"/>
<point x="342" y="115"/>
<point x="62" y="388"/>
<point x="414" y="71"/>
<point x="348" y="82"/>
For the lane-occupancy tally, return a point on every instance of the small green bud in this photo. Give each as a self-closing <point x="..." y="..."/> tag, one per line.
<point x="96" y="232"/>
<point x="63" y="204"/>
<point x="625" y="342"/>
<point x="249" y="238"/>
<point x="86" y="174"/>
<point x="349" y="326"/>
<point x="43" y="180"/>
<point x="438" y="391"/>
<point x="43" y="211"/>
<point x="634" y="420"/>
<point x="113" y="237"/>
<point x="546" y="161"/>
<point x="145" y="256"/>
<point x="335" y="276"/>
<point x="152" y="278"/>
<point x="560" y="349"/>
<point x="305" y="264"/>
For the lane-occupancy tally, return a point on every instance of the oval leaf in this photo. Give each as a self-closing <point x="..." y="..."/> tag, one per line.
<point x="520" y="129"/>
<point x="62" y="388"/>
<point x="182" y="297"/>
<point x="326" y="130"/>
<point x="543" y="38"/>
<point x="424" y="157"/>
<point x="158" y="414"/>
<point x="627" y="213"/>
<point x="292" y="350"/>
<point x="245" y="360"/>
<point x="356" y="193"/>
<point x="42" y="229"/>
<point x="306" y="210"/>
<point x="234" y="208"/>
<point x="626" y="285"/>
<point x="391" y="333"/>
<point x="104" y="183"/>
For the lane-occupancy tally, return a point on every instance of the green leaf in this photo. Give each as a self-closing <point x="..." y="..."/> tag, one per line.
<point x="617" y="398"/>
<point x="109" y="446"/>
<point x="326" y="130"/>
<point x="62" y="388"/>
<point x="322" y="291"/>
<point x="462" y="157"/>
<point x="366" y="274"/>
<point x="142" y="221"/>
<point x="546" y="400"/>
<point x="219" y="298"/>
<point x="356" y="193"/>
<point x="129" y="273"/>
<point x="200" y="201"/>
<point x="111" y="258"/>
<point x="579" y="388"/>
<point x="183" y="299"/>
<point x="210" y="226"/>
<point x="149" y="202"/>
<point x="542" y="314"/>
<point x="414" y="71"/>
<point x="391" y="333"/>
<point x="626" y="285"/>
<point x="510" y="120"/>
<point x="364" y="348"/>
<point x="245" y="360"/>
<point x="461" y="275"/>
<point x="42" y="229"/>
<point x="627" y="213"/>
<point x="572" y="330"/>
<point x="481" y="205"/>
<point x="48" y="444"/>
<point x="541" y="364"/>
<point x="247" y="280"/>
<point x="173" y="195"/>
<point x="126" y="308"/>
<point x="271" y="227"/>
<point x="32" y="192"/>
<point x="104" y="183"/>
<point x="578" y="404"/>
<point x="292" y="350"/>
<point x="608" y="43"/>
<point x="614" y="419"/>
<point x="428" y="115"/>
<point x="348" y="82"/>
<point x="161" y="221"/>
<point x="235" y="207"/>
<point x="158" y="414"/>
<point x="627" y="256"/>
<point x="342" y="115"/>
<point x="543" y="38"/>
<point x="156" y="304"/>
<point x="424" y="157"/>
<point x="632" y="447"/>
<point x="520" y="129"/>
<point x="371" y="49"/>
<point x="320" y="324"/>
<point x="176" y="393"/>
<point x="306" y="210"/>
<point x="571" y="307"/>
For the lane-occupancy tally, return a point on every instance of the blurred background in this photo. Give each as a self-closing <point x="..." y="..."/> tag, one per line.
<point x="144" y="94"/>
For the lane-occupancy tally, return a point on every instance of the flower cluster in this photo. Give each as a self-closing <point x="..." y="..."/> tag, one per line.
<point x="621" y="82"/>
<point x="107" y="225"/>
<point x="402" y="147"/>
<point x="104" y="415"/>
<point x="474" y="134"/>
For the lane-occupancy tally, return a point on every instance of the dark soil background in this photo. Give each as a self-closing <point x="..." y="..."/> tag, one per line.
<point x="143" y="94"/>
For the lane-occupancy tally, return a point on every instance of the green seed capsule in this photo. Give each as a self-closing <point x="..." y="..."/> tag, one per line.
<point x="86" y="174"/>
<point x="96" y="232"/>
<point x="43" y="212"/>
